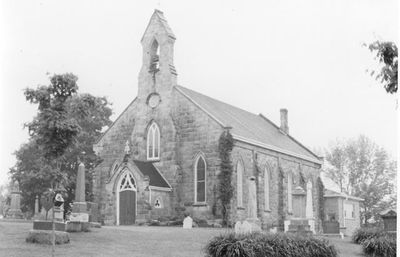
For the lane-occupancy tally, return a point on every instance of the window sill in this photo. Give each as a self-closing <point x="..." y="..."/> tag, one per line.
<point x="267" y="210"/>
<point x="199" y="204"/>
<point x="240" y="208"/>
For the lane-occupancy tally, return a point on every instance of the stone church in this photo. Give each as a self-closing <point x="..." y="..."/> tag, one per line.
<point x="161" y="158"/>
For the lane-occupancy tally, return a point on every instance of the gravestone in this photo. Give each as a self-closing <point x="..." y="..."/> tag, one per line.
<point x="80" y="215"/>
<point x="252" y="223"/>
<point x="238" y="227"/>
<point x="15" y="206"/>
<point x="188" y="223"/>
<point x="43" y="225"/>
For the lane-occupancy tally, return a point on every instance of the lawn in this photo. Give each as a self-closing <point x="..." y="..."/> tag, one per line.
<point x="126" y="241"/>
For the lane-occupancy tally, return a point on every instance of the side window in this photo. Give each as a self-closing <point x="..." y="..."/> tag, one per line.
<point x="200" y="180"/>
<point x="239" y="178"/>
<point x="153" y="142"/>
<point x="266" y="188"/>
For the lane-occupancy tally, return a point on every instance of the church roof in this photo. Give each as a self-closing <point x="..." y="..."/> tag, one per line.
<point x="331" y="193"/>
<point x="249" y="127"/>
<point x="148" y="169"/>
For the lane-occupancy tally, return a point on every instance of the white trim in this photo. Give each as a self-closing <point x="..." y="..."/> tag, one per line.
<point x="153" y="128"/>
<point x="125" y="172"/>
<point x="195" y="179"/>
<point x="274" y="148"/>
<point x="160" y="188"/>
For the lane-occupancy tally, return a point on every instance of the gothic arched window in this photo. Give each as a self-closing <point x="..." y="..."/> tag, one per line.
<point x="239" y="182"/>
<point x="127" y="182"/>
<point x="289" y="191"/>
<point x="266" y="188"/>
<point x="153" y="142"/>
<point x="200" y="180"/>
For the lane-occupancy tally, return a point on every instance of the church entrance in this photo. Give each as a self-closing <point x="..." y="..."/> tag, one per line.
<point x="127" y="200"/>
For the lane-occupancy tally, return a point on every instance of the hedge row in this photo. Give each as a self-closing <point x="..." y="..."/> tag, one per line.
<point x="268" y="245"/>
<point x="376" y="242"/>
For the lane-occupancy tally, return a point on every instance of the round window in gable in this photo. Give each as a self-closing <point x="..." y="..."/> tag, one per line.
<point x="153" y="100"/>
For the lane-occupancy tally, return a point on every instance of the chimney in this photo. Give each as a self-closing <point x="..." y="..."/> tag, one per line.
<point x="284" y="121"/>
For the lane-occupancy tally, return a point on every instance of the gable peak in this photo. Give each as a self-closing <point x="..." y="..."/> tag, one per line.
<point x="158" y="17"/>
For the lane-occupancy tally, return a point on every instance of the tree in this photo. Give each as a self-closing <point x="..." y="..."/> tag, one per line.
<point x="387" y="54"/>
<point x="65" y="128"/>
<point x="366" y="171"/>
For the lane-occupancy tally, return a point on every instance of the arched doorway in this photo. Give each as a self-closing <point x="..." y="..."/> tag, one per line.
<point x="126" y="199"/>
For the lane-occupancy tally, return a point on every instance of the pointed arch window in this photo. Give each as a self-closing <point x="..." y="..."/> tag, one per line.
<point x="289" y="191"/>
<point x="127" y="182"/>
<point x="153" y="142"/>
<point x="266" y="188"/>
<point x="200" y="180"/>
<point x="239" y="182"/>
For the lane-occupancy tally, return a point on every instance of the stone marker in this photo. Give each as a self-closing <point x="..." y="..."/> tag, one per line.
<point x="80" y="215"/>
<point x="188" y="223"/>
<point x="309" y="202"/>
<point x="238" y="227"/>
<point x="252" y="223"/>
<point x="80" y="184"/>
<point x="15" y="206"/>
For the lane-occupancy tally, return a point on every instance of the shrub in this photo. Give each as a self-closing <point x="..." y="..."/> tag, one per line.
<point x="381" y="246"/>
<point x="268" y="245"/>
<point x="364" y="233"/>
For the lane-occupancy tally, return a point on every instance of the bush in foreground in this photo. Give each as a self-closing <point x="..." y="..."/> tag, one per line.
<point x="376" y="242"/>
<point x="381" y="246"/>
<point x="268" y="245"/>
<point x="362" y="234"/>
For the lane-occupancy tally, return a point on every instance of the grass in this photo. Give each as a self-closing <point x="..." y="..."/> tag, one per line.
<point x="127" y="241"/>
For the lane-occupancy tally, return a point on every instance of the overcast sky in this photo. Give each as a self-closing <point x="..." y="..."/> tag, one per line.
<point x="306" y="56"/>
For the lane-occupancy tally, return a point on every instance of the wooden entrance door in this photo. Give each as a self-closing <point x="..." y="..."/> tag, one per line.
<point x="127" y="207"/>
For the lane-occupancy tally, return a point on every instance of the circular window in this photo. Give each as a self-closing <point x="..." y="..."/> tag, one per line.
<point x="154" y="100"/>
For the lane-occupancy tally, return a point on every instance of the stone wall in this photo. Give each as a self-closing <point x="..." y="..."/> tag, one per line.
<point x="197" y="134"/>
<point x="270" y="160"/>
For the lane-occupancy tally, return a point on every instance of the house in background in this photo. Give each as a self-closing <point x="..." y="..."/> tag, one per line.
<point x="340" y="209"/>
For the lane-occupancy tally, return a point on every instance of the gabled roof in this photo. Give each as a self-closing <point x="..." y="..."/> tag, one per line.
<point x="388" y="212"/>
<point x="249" y="127"/>
<point x="148" y="169"/>
<point x="159" y="15"/>
<point x="330" y="194"/>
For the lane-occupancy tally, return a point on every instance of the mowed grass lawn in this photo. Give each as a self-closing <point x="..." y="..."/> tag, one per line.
<point x="126" y="241"/>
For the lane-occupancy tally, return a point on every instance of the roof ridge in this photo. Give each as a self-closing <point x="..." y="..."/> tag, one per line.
<point x="290" y="136"/>
<point x="186" y="92"/>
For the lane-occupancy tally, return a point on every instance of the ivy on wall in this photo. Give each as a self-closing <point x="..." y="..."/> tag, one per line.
<point x="321" y="200"/>
<point x="225" y="176"/>
<point x="281" y="213"/>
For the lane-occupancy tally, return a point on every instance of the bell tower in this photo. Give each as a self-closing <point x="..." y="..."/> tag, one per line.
<point x="158" y="74"/>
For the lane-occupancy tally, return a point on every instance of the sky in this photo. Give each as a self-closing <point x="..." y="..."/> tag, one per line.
<point x="306" y="56"/>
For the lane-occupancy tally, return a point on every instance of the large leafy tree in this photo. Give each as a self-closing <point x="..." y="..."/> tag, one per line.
<point x="363" y="169"/>
<point x="63" y="131"/>
<point x="387" y="54"/>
